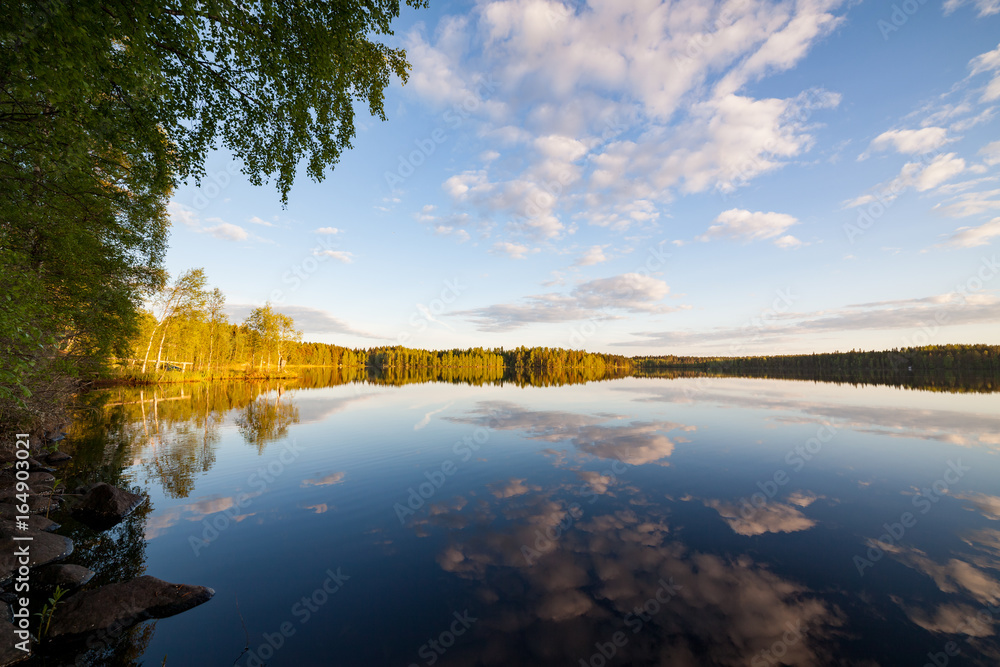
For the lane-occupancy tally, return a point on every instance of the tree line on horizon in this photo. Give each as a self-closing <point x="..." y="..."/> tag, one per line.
<point x="186" y="326"/>
<point x="923" y="359"/>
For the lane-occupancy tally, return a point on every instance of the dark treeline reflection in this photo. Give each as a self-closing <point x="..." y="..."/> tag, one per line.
<point x="945" y="381"/>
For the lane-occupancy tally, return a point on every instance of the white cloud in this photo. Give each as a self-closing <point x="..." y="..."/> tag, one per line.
<point x="740" y="224"/>
<point x="909" y="141"/>
<point x="991" y="153"/>
<point x="339" y="255"/>
<point x="610" y="104"/>
<point x="184" y="215"/>
<point x="219" y="228"/>
<point x="970" y="237"/>
<point x="328" y="230"/>
<point x="594" y="255"/>
<point x="971" y="203"/>
<point x="953" y="308"/>
<point x="922" y="175"/>
<point x="984" y="7"/>
<point x="943" y="167"/>
<point x="260" y="221"/>
<point x="595" y="299"/>
<point x="227" y="231"/>
<point x="989" y="62"/>
<point x="512" y="250"/>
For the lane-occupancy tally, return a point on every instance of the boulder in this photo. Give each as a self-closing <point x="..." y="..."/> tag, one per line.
<point x="57" y="457"/>
<point x="9" y="476"/>
<point x="43" y="548"/>
<point x="118" y="606"/>
<point x="9" y="653"/>
<point x="34" y="465"/>
<point x="8" y="514"/>
<point x="104" y="506"/>
<point x="61" y="574"/>
<point x="37" y="504"/>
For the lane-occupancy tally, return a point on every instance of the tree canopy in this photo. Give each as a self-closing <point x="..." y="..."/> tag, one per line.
<point x="105" y="107"/>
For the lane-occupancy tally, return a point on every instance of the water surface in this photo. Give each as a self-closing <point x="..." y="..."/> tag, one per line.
<point x="690" y="521"/>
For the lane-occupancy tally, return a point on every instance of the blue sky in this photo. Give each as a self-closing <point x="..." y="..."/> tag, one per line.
<point x="745" y="177"/>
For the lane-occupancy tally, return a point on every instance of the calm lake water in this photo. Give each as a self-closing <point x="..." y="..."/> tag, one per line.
<point x="698" y="521"/>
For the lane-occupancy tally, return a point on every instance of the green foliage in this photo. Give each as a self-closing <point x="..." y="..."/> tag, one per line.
<point x="45" y="615"/>
<point x="105" y="107"/>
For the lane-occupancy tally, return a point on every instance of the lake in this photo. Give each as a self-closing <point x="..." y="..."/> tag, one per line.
<point x="635" y="521"/>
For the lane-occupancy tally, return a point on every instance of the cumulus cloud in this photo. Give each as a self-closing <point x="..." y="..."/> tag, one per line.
<point x="743" y="225"/>
<point x="339" y="255"/>
<point x="971" y="203"/>
<point x="327" y="230"/>
<point x="593" y="255"/>
<point x="512" y="250"/>
<point x="227" y="231"/>
<point x="922" y="175"/>
<point x="216" y="227"/>
<point x="970" y="237"/>
<point x="909" y="142"/>
<point x="607" y="105"/>
<point x="597" y="299"/>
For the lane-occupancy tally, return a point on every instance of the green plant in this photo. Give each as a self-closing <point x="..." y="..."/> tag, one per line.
<point x="45" y="615"/>
<point x="56" y="482"/>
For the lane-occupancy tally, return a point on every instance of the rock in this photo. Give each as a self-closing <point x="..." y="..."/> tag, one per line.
<point x="9" y="654"/>
<point x="43" y="548"/>
<point x="104" y="506"/>
<point x="36" y="505"/>
<point x="35" y="522"/>
<point x="34" y="478"/>
<point x="34" y="465"/>
<point x="118" y="606"/>
<point x="67" y="576"/>
<point x="57" y="457"/>
<point x="5" y="613"/>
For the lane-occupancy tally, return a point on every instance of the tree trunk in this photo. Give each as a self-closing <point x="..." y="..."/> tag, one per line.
<point x="146" y="358"/>
<point x="159" y="350"/>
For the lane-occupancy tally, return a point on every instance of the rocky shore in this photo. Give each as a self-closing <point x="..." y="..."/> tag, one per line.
<point x="32" y="555"/>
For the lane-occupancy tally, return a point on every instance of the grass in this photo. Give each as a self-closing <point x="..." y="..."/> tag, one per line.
<point x="134" y="376"/>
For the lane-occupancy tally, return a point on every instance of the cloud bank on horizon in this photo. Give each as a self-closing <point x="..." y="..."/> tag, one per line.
<point x="646" y="177"/>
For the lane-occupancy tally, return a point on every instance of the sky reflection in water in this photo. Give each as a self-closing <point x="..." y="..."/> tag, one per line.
<point x="610" y="522"/>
